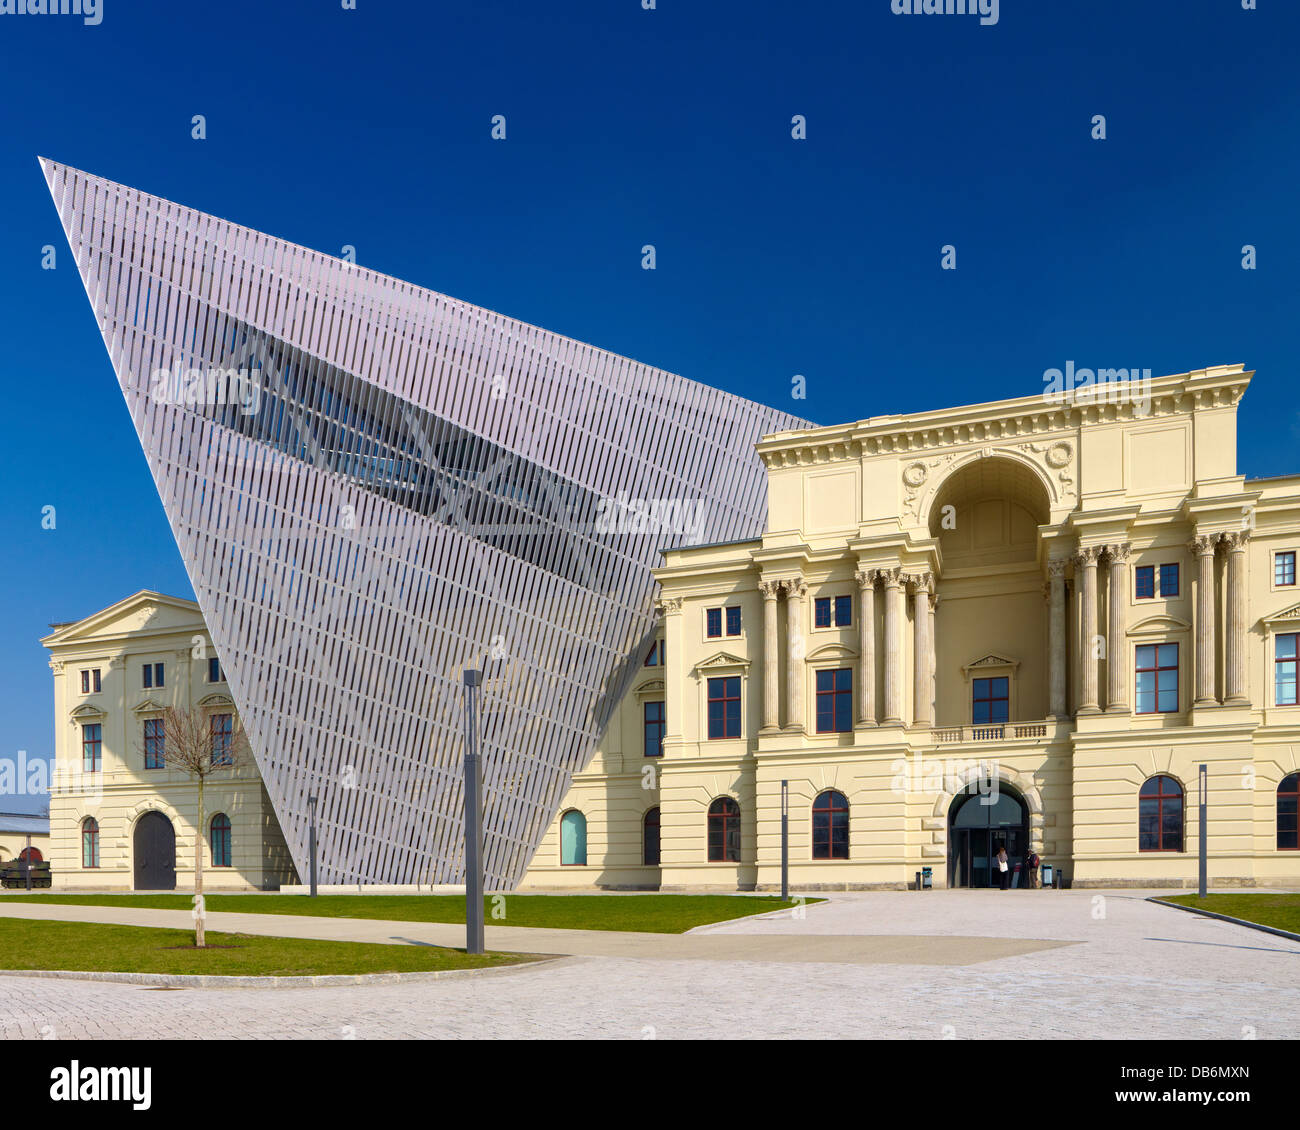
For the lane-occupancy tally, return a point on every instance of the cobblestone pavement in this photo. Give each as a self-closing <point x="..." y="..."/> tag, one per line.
<point x="1138" y="970"/>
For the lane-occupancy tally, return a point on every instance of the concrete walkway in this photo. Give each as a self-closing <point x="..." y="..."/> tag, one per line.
<point x="768" y="938"/>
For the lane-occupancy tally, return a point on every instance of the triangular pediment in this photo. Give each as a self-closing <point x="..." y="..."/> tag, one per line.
<point x="144" y="611"/>
<point x="991" y="661"/>
<point x="1285" y="615"/>
<point x="149" y="706"/>
<point x="721" y="661"/>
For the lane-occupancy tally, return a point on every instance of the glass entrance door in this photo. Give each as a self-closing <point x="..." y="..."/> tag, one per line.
<point x="976" y="831"/>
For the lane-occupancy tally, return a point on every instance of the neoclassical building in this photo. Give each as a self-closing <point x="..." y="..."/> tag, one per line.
<point x="121" y="818"/>
<point x="1025" y="623"/>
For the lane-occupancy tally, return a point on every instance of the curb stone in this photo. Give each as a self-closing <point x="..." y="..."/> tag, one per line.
<point x="324" y="980"/>
<point x="1225" y="918"/>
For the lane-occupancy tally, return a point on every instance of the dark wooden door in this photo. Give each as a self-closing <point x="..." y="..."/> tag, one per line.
<point x="155" y="853"/>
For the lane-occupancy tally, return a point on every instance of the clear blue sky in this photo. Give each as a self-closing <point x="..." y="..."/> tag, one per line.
<point x="672" y="127"/>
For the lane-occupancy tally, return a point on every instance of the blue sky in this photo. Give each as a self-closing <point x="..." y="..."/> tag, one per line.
<point x="775" y="257"/>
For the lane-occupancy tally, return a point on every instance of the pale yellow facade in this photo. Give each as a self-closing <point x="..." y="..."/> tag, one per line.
<point x="112" y="648"/>
<point x="1004" y="541"/>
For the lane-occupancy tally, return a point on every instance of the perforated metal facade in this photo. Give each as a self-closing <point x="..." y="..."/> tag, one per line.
<point x="374" y="486"/>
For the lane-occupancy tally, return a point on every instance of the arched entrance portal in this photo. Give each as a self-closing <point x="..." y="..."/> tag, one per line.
<point x="977" y="829"/>
<point x="155" y="853"/>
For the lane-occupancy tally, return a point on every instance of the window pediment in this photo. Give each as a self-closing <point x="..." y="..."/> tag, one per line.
<point x="214" y="701"/>
<point x="651" y="688"/>
<point x="720" y="661"/>
<point x="1285" y="618"/>
<point x="1158" y="625"/>
<point x="86" y="713"/>
<point x="148" y="706"/>
<point x="991" y="663"/>
<point x="832" y="651"/>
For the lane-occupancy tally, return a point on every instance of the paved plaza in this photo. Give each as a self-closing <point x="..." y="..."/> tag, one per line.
<point x="932" y="965"/>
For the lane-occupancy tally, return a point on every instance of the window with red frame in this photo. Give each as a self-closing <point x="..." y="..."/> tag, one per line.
<point x="1286" y="657"/>
<point x="1157" y="678"/>
<point x="655" y="656"/>
<point x="724" y="707"/>
<point x="1288" y="813"/>
<point x="1160" y="815"/>
<point x="724" y="831"/>
<point x="835" y="701"/>
<point x="830" y="826"/>
<point x="92" y="747"/>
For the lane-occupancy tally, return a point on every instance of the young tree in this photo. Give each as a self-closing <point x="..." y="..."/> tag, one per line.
<point x="201" y="743"/>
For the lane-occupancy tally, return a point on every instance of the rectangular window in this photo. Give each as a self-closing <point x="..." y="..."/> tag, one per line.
<point x="1286" y="656"/>
<point x="990" y="701"/>
<point x="1144" y="581"/>
<point x="1157" y="678"/>
<point x="85" y="682"/>
<point x="1168" y="580"/>
<point x="655" y="657"/>
<point x="822" y="612"/>
<point x="733" y="620"/>
<point x="1284" y="569"/>
<point x="713" y="623"/>
<point x="153" y="675"/>
<point x="222" y="726"/>
<point x="843" y="611"/>
<point x="653" y="714"/>
<point x="148" y="676"/>
<point x="153" y="743"/>
<point x="724" y="707"/>
<point x="92" y="747"/>
<point x="94" y="680"/>
<point x="215" y="673"/>
<point x="835" y="701"/>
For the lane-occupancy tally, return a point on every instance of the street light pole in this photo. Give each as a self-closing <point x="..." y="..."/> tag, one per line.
<point x="311" y="842"/>
<point x="473" y="818"/>
<point x="1204" y="833"/>
<point x="27" y="862"/>
<point x="785" y="839"/>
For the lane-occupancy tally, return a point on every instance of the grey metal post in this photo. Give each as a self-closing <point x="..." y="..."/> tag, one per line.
<point x="473" y="819"/>
<point x="27" y="862"/>
<point x="1204" y="833"/>
<point x="311" y="843"/>
<point x="785" y="839"/>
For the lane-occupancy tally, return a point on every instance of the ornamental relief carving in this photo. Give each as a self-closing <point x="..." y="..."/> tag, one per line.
<point x="1055" y="457"/>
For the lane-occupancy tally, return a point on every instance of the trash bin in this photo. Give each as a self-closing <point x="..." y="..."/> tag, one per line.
<point x="927" y="879"/>
<point x="1047" y="875"/>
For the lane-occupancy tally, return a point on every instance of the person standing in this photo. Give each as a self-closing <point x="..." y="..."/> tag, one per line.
<point x="1034" y="861"/>
<point x="1003" y="868"/>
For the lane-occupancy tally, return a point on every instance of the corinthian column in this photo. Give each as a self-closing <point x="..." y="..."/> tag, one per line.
<point x="1117" y="612"/>
<point x="794" y="594"/>
<point x="921" y="650"/>
<point x="1237" y="692"/>
<point x="771" y="679"/>
<point x="1206" y="622"/>
<point x="1085" y="564"/>
<point x="1056" y="638"/>
<point x="866" y="648"/>
<point x="894" y="616"/>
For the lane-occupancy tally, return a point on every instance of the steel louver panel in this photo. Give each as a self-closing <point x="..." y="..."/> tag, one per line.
<point x="409" y="483"/>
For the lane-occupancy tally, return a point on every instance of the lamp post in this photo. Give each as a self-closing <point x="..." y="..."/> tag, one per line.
<point x="1204" y="836"/>
<point x="785" y="839"/>
<point x="473" y="818"/>
<point x="311" y="842"/>
<point x="27" y="862"/>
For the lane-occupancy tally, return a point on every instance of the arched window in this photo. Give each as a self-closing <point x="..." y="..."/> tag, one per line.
<point x="830" y="826"/>
<point x="724" y="831"/>
<point x="573" y="839"/>
<point x="1160" y="815"/>
<point x="30" y="855"/>
<point x="90" y="842"/>
<point x="650" y="838"/>
<point x="1288" y="809"/>
<point x="221" y="840"/>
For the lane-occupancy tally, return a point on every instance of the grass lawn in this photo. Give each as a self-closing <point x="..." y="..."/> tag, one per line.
<point x="1281" y="911"/>
<point x="651" y="913"/>
<point x="88" y="946"/>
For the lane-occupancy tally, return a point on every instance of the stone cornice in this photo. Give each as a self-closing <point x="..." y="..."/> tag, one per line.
<point x="1001" y="420"/>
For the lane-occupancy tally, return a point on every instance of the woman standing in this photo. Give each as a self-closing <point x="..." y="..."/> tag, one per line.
<point x="1003" y="869"/>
